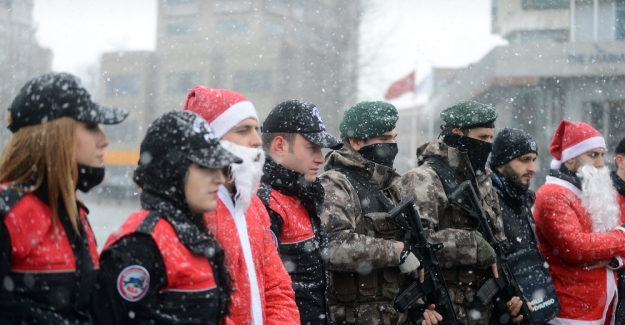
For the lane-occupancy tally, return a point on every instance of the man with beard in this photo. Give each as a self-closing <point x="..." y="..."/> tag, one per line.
<point x="467" y="260"/>
<point x="262" y="292"/>
<point x="578" y="227"/>
<point x="512" y="163"/>
<point x="367" y="260"/>
<point x="293" y="135"/>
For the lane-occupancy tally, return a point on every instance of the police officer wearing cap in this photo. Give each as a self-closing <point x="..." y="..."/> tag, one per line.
<point x="293" y="136"/>
<point x="163" y="265"/>
<point x="462" y="149"/>
<point x="48" y="253"/>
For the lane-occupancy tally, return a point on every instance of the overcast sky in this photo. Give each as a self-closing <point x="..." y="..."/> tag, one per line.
<point x="397" y="37"/>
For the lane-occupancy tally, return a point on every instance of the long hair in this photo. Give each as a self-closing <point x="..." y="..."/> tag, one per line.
<point x="44" y="154"/>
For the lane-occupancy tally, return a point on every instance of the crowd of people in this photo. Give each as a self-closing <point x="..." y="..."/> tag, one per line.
<point x="239" y="226"/>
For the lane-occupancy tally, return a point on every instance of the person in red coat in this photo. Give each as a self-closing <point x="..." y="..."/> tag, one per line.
<point x="578" y="226"/>
<point x="262" y="292"/>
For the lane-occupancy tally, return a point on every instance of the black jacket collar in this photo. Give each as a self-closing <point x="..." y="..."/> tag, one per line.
<point x="190" y="228"/>
<point x="516" y="199"/>
<point x="619" y="183"/>
<point x="292" y="183"/>
<point x="566" y="175"/>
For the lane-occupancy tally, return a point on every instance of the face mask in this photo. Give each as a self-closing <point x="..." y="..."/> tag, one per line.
<point x="477" y="150"/>
<point x="89" y="177"/>
<point x="380" y="153"/>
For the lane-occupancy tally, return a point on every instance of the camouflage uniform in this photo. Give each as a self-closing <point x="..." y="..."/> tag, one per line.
<point x="363" y="257"/>
<point x="453" y="228"/>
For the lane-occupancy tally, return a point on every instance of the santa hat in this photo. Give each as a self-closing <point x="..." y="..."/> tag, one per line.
<point x="222" y="108"/>
<point x="573" y="139"/>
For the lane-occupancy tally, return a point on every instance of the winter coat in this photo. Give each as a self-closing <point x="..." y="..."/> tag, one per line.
<point x="48" y="271"/>
<point x="156" y="269"/>
<point x="619" y="185"/>
<point x="293" y="206"/>
<point x="363" y="256"/>
<point x="566" y="239"/>
<point x="244" y="233"/>
<point x="454" y="228"/>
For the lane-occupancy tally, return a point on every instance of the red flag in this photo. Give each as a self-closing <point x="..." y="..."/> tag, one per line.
<point x="401" y="86"/>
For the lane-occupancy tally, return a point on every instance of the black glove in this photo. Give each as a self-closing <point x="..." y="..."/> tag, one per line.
<point x="485" y="253"/>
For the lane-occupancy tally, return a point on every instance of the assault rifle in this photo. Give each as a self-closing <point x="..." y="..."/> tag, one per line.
<point x="464" y="198"/>
<point x="406" y="217"/>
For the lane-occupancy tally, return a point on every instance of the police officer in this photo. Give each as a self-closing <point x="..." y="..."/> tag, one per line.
<point x="163" y="266"/>
<point x="467" y="259"/>
<point x="48" y="253"/>
<point x="293" y="135"/>
<point x="512" y="163"/>
<point x="367" y="261"/>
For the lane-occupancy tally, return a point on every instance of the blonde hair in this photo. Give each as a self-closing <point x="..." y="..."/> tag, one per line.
<point x="44" y="152"/>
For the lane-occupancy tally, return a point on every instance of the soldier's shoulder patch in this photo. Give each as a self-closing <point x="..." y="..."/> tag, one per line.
<point x="133" y="282"/>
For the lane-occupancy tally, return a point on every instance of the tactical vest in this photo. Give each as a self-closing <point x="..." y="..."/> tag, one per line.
<point x="379" y="285"/>
<point x="465" y="275"/>
<point x="191" y="288"/>
<point x="52" y="270"/>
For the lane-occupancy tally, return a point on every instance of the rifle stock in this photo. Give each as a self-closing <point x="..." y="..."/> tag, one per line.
<point x="406" y="217"/>
<point x="505" y="286"/>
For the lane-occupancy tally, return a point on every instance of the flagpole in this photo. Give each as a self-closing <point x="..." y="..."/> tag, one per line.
<point x="414" y="124"/>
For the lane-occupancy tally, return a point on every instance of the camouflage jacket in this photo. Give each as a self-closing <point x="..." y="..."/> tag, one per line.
<point x="453" y="228"/>
<point x="446" y="224"/>
<point x="342" y="213"/>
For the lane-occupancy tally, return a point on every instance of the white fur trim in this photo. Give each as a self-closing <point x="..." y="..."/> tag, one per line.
<point x="565" y="184"/>
<point x="233" y="116"/>
<point x="555" y="164"/>
<point x="256" y="307"/>
<point x="580" y="148"/>
<point x="620" y="228"/>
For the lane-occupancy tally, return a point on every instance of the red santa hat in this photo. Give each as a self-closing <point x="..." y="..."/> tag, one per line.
<point x="573" y="139"/>
<point x="222" y="108"/>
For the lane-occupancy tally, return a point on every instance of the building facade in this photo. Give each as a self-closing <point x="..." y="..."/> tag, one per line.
<point x="21" y="57"/>
<point x="268" y="50"/>
<point x="565" y="60"/>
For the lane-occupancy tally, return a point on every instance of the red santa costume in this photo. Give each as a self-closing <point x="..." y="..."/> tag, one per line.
<point x="262" y="292"/>
<point x="571" y="234"/>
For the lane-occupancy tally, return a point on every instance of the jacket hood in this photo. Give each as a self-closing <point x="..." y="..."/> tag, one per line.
<point x="378" y="175"/>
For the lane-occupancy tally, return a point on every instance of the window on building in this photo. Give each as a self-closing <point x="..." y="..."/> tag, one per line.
<point x="252" y="81"/>
<point x="182" y="82"/>
<point x="608" y="117"/>
<point x="178" y="2"/>
<point x="545" y="4"/>
<point x="178" y="29"/>
<point x="232" y="25"/>
<point x="619" y="25"/>
<point x="123" y="85"/>
<point x="274" y="28"/>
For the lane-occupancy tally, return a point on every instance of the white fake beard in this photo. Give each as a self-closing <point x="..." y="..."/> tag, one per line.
<point x="246" y="175"/>
<point x="599" y="198"/>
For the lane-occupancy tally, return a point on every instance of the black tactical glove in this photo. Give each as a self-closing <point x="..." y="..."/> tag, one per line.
<point x="485" y="253"/>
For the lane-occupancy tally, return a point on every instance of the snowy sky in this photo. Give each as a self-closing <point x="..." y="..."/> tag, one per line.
<point x="408" y="34"/>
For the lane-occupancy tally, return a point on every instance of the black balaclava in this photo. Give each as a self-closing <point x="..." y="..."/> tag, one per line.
<point x="476" y="150"/>
<point x="380" y="153"/>
<point x="89" y="177"/>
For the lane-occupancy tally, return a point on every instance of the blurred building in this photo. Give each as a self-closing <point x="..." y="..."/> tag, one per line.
<point x="21" y="58"/>
<point x="565" y="60"/>
<point x="268" y="50"/>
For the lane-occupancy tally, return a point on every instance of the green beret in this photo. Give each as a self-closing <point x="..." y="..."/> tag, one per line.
<point x="468" y="114"/>
<point x="368" y="119"/>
